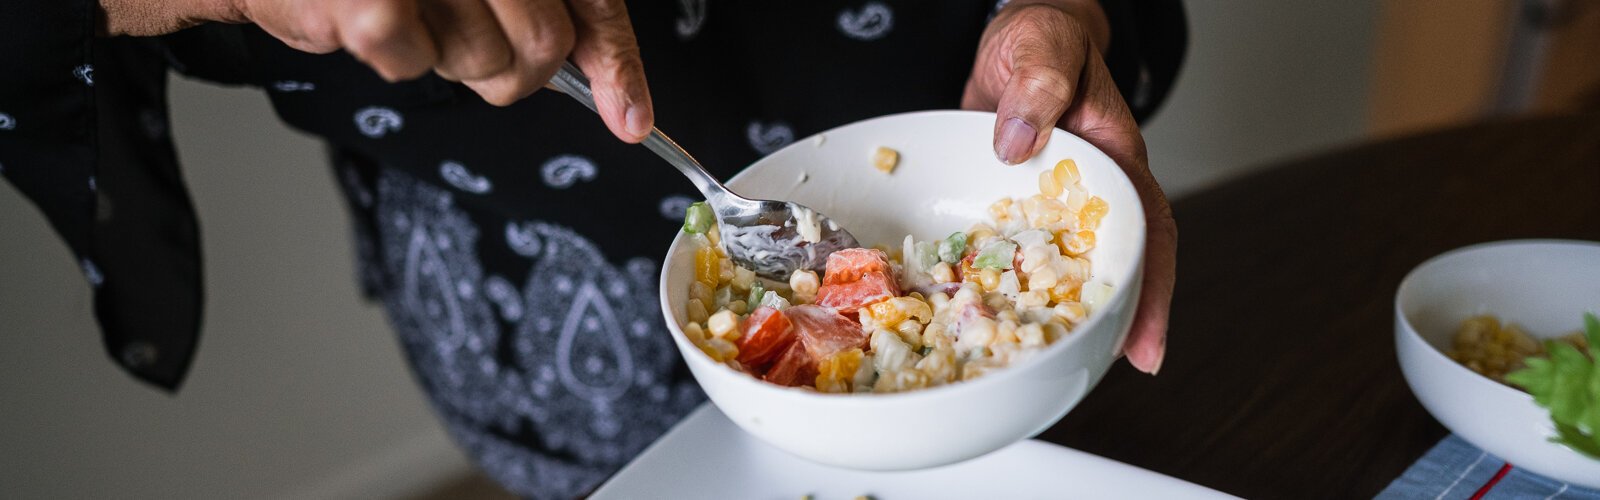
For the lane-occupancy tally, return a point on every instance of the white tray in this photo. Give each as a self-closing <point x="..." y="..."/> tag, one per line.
<point x="707" y="457"/>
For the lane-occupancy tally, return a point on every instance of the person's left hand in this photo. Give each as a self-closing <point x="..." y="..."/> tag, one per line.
<point x="1039" y="67"/>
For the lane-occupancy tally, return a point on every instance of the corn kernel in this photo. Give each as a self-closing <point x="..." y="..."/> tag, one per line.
<point x="714" y="235"/>
<point x="1001" y="210"/>
<point x="1048" y="185"/>
<point x="743" y="279"/>
<point x="977" y="232"/>
<point x="1066" y="173"/>
<point x="699" y="290"/>
<point x="1076" y="199"/>
<point x="803" y="284"/>
<point x="1073" y="312"/>
<point x="978" y="332"/>
<point x="724" y="325"/>
<point x="939" y="365"/>
<point x="936" y="336"/>
<point x="989" y="279"/>
<point x="695" y="333"/>
<point x="707" y="266"/>
<point x="1042" y="279"/>
<point x="942" y="273"/>
<point x="720" y="350"/>
<point x="1033" y="298"/>
<point x="835" y="372"/>
<point x="1079" y="243"/>
<point x="725" y="269"/>
<point x="885" y="159"/>
<point x="891" y="312"/>
<point x="1094" y="210"/>
<point x="1031" y="335"/>
<point x="1006" y="332"/>
<point x="1066" y="291"/>
<point x="738" y="307"/>
<point x="696" y="311"/>
<point x="911" y="333"/>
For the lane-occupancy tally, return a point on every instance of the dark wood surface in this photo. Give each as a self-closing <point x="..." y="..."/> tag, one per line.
<point x="1281" y="379"/>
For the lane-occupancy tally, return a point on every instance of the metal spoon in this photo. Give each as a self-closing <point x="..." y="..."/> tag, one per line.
<point x="764" y="236"/>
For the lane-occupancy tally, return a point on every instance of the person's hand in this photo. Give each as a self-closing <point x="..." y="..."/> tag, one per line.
<point x="501" y="49"/>
<point x="1039" y="66"/>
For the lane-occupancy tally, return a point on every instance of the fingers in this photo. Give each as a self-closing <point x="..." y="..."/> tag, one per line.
<point x="540" y="34"/>
<point x="1100" y="116"/>
<point x="1147" y="341"/>
<point x="608" y="53"/>
<point x="1038" y="68"/>
<point x="471" y="45"/>
<point x="387" y="35"/>
<point x="1041" y="54"/>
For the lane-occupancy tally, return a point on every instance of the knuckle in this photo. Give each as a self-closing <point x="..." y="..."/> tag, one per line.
<point x="371" y="28"/>
<point x="1043" y="83"/>
<point x="479" y="63"/>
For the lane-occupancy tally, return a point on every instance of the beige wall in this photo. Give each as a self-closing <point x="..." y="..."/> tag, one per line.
<point x="1266" y="80"/>
<point x="298" y="390"/>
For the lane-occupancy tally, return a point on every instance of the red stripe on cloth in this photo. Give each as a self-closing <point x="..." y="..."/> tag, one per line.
<point x="1490" y="485"/>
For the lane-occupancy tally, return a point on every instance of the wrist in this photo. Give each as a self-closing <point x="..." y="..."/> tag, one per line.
<point x="159" y="17"/>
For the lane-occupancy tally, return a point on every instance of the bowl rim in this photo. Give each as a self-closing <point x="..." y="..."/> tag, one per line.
<point x="1409" y="331"/>
<point x="1120" y="295"/>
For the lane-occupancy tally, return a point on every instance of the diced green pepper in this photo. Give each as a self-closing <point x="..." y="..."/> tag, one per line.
<point x="756" y="291"/>
<point x="997" y="255"/>
<point x="698" y="219"/>
<point x="952" y="248"/>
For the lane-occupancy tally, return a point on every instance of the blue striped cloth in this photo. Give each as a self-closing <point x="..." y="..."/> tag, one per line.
<point x="1454" y="469"/>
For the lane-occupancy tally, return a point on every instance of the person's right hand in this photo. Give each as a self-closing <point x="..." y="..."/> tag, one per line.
<point x="502" y="49"/>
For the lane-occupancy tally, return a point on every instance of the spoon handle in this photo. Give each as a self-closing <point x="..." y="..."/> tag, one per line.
<point x="572" y="81"/>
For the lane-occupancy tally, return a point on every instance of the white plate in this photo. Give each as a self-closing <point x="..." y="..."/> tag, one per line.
<point x="707" y="457"/>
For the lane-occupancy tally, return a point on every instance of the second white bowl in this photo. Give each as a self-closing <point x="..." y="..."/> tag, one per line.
<point x="1543" y="285"/>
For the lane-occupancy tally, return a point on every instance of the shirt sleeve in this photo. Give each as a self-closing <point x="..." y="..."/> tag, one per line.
<point x="1148" y="42"/>
<point x="83" y="135"/>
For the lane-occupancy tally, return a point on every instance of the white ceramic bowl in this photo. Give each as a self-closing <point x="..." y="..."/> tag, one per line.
<point x="1543" y="285"/>
<point x="946" y="179"/>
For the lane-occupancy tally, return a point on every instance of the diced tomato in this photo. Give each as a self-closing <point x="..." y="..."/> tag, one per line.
<point x="848" y="265"/>
<point x="795" y="367"/>
<point x="821" y="333"/>
<point x="767" y="333"/>
<point x="825" y="332"/>
<point x="855" y="277"/>
<point x="848" y="297"/>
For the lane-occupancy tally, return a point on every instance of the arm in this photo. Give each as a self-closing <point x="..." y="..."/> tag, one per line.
<point x="501" y="49"/>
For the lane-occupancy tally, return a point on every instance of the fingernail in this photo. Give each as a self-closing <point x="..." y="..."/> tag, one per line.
<point x="1161" y="357"/>
<point x="637" y="122"/>
<point x="1015" y="142"/>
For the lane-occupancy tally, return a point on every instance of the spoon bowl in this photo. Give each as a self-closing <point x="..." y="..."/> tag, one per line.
<point x="772" y="238"/>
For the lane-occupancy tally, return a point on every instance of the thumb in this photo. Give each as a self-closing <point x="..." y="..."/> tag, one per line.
<point x="1044" y="67"/>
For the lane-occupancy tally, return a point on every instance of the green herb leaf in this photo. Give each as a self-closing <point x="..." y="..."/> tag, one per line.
<point x="1568" y="385"/>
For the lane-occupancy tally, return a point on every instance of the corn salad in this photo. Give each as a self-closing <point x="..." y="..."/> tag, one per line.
<point x="928" y="313"/>
<point x="1493" y="349"/>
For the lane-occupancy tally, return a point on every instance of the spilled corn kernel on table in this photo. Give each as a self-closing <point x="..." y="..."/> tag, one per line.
<point x="1281" y="379"/>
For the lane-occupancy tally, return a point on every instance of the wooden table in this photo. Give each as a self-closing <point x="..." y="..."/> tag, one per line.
<point x="1281" y="379"/>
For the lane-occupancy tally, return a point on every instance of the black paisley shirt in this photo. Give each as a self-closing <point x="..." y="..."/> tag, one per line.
<point x="516" y="249"/>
